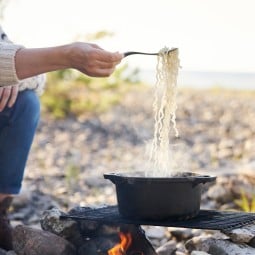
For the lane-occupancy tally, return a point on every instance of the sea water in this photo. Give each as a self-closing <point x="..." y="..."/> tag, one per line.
<point x="202" y="79"/>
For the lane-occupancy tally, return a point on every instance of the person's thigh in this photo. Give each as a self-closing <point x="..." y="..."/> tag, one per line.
<point x="17" y="128"/>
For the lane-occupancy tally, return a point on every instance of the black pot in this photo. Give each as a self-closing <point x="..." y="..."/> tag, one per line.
<point x="154" y="198"/>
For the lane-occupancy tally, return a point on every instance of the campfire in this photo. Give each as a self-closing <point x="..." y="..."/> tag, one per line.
<point x="122" y="247"/>
<point x="132" y="241"/>
<point x="111" y="234"/>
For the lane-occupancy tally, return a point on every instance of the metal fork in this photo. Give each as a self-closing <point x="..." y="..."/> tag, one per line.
<point x="144" y="53"/>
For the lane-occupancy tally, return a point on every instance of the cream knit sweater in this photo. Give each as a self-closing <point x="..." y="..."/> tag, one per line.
<point x="8" y="74"/>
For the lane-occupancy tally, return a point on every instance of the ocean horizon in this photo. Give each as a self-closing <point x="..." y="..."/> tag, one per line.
<point x="207" y="79"/>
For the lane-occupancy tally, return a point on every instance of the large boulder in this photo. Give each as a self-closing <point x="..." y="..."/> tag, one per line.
<point x="30" y="241"/>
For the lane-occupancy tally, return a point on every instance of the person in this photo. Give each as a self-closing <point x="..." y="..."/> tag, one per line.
<point x="21" y="81"/>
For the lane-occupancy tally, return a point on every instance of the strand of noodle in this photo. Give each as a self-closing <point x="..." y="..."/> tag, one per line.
<point x="156" y="112"/>
<point x="164" y="110"/>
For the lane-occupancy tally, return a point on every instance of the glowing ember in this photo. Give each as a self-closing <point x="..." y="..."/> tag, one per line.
<point x="121" y="248"/>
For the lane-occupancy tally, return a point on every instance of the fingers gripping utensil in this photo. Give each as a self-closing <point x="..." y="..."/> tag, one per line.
<point x="128" y="53"/>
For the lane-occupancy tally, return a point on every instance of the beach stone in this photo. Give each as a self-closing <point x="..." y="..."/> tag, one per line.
<point x="156" y="232"/>
<point x="23" y="199"/>
<point x="181" y="234"/>
<point x="224" y="153"/>
<point x="168" y="248"/>
<point x="226" y="143"/>
<point x="29" y="241"/>
<point x="219" y="246"/>
<point x="180" y="253"/>
<point x="181" y="247"/>
<point x="67" y="228"/>
<point x="242" y="235"/>
<point x="199" y="253"/>
<point x="252" y="242"/>
<point x="200" y="243"/>
<point x="241" y="183"/>
<point x="50" y="221"/>
<point x="3" y="252"/>
<point x="225" y="247"/>
<point x="220" y="194"/>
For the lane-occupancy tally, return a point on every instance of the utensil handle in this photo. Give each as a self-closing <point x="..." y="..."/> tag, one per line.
<point x="137" y="52"/>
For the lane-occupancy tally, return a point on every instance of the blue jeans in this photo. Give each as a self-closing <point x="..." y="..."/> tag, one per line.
<point x="17" y="128"/>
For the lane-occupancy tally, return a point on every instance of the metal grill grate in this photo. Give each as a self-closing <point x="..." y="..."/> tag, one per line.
<point x="206" y="219"/>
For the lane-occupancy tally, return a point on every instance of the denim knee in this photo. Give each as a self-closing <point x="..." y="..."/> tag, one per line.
<point x="27" y="107"/>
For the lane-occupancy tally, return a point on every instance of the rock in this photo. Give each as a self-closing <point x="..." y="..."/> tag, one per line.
<point x="50" y="221"/>
<point x="252" y="242"/>
<point x="67" y="228"/>
<point x="226" y="143"/>
<point x="95" y="181"/>
<point x="241" y="183"/>
<point x="220" y="193"/>
<point x="180" y="253"/>
<point x="168" y="248"/>
<point x="181" y="247"/>
<point x="219" y="247"/>
<point x="181" y="234"/>
<point x="3" y="252"/>
<point x="200" y="243"/>
<point x="23" y="199"/>
<point x="224" y="153"/>
<point x="28" y="241"/>
<point x="199" y="253"/>
<point x="242" y="235"/>
<point x="156" y="232"/>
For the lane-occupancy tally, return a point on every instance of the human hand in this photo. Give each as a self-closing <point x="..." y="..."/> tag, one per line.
<point x="92" y="60"/>
<point x="8" y="96"/>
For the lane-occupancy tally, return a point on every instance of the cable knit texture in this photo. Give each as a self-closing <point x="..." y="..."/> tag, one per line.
<point x="8" y="74"/>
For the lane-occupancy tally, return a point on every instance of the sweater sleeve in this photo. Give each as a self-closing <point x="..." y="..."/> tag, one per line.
<point x="8" y="74"/>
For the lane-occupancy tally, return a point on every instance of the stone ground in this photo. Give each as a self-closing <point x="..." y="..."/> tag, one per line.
<point x="69" y="157"/>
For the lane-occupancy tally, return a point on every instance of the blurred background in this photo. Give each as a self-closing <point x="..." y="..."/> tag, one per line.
<point x="90" y="126"/>
<point x="215" y="38"/>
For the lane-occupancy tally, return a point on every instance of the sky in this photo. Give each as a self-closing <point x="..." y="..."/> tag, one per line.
<point x="212" y="35"/>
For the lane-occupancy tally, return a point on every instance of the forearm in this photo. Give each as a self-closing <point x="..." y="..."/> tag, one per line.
<point x="87" y="58"/>
<point x="31" y="62"/>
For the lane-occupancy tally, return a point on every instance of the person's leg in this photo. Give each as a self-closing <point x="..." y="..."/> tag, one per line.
<point x="17" y="128"/>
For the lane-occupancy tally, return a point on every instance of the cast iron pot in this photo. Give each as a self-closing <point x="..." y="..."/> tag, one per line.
<point x="154" y="198"/>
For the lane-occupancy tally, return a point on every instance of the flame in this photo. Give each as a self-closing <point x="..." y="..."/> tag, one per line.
<point x="121" y="248"/>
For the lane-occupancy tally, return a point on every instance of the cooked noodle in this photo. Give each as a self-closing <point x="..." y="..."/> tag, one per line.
<point x="164" y="107"/>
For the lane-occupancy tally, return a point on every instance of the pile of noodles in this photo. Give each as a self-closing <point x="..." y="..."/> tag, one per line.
<point x="164" y="107"/>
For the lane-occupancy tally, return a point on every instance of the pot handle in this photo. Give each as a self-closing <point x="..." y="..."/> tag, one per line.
<point x="113" y="178"/>
<point x="203" y="179"/>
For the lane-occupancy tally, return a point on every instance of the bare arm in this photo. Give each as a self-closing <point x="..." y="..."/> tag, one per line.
<point x="87" y="58"/>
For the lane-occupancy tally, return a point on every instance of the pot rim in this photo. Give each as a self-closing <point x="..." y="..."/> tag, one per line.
<point x="134" y="177"/>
